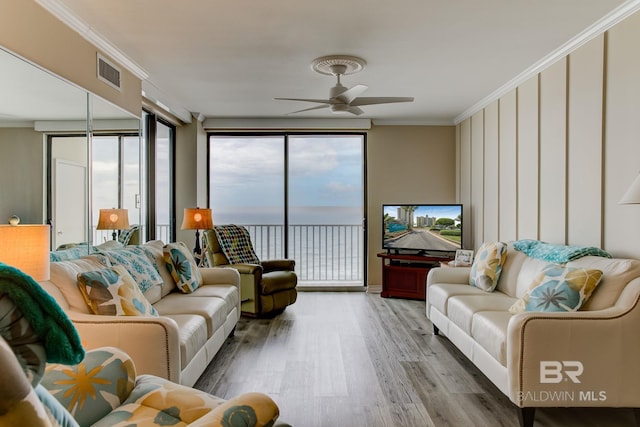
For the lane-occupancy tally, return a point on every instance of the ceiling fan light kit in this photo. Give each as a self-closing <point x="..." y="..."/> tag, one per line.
<point x="343" y="100"/>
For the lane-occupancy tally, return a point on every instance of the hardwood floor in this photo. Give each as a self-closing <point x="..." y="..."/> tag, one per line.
<point x="344" y="359"/>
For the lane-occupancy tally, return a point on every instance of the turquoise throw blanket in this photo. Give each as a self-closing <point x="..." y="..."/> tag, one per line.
<point x="60" y="338"/>
<point x="558" y="254"/>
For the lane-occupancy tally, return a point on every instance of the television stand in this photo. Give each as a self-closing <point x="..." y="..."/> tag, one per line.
<point x="405" y="276"/>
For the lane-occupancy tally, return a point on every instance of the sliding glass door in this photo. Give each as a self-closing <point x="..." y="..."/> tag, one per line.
<point x="300" y="196"/>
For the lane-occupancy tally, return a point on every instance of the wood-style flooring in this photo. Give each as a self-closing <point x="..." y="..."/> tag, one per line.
<point x="343" y="359"/>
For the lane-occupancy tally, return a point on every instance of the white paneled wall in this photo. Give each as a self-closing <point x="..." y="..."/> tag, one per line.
<point x="584" y="195"/>
<point x="550" y="159"/>
<point x="507" y="169"/>
<point x="477" y="176"/>
<point x="527" y="162"/>
<point x="553" y="153"/>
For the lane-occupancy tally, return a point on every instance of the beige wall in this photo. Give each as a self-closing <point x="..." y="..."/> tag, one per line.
<point x="33" y="33"/>
<point x="551" y="159"/>
<point x="406" y="164"/>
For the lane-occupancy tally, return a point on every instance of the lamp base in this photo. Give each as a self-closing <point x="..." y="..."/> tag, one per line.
<point x="196" y="249"/>
<point x="114" y="234"/>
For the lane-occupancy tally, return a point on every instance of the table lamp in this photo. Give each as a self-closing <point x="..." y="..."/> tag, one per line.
<point x="632" y="195"/>
<point x="113" y="219"/>
<point x="26" y="247"/>
<point x="197" y="219"/>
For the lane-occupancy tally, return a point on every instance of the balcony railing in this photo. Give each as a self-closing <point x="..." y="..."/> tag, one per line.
<point x="324" y="254"/>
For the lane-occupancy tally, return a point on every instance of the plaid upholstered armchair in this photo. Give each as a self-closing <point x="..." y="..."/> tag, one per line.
<point x="266" y="287"/>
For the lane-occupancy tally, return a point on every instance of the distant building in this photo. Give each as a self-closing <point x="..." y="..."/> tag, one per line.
<point x="425" y="221"/>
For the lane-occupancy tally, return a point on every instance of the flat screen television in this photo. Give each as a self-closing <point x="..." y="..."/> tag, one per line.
<point x="422" y="229"/>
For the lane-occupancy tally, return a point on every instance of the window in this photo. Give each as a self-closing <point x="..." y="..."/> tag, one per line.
<point x="300" y="195"/>
<point x="159" y="137"/>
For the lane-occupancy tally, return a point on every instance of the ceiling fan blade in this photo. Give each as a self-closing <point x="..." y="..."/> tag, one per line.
<point x="363" y="100"/>
<point x="352" y="93"/>
<point x="356" y="110"/>
<point x="320" y="101"/>
<point x="317" y="107"/>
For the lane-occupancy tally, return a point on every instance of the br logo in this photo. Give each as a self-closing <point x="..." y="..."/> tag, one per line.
<point x="555" y="371"/>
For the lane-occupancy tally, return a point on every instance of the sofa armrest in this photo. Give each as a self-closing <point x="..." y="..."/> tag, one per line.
<point x="279" y="265"/>
<point x="135" y="335"/>
<point x="449" y="275"/>
<point x="584" y="358"/>
<point x="220" y="276"/>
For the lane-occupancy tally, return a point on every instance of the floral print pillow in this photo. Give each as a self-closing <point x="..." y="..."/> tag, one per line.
<point x="112" y="291"/>
<point x="487" y="265"/>
<point x="137" y="262"/>
<point x="558" y="288"/>
<point x="182" y="266"/>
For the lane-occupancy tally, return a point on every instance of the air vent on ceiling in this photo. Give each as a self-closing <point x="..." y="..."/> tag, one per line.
<point x="108" y="72"/>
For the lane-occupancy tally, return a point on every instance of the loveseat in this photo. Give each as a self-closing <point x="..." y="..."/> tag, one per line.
<point x="177" y="335"/>
<point x="555" y="358"/>
<point x="99" y="387"/>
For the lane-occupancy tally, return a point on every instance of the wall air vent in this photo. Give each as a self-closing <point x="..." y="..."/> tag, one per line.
<point x="108" y="72"/>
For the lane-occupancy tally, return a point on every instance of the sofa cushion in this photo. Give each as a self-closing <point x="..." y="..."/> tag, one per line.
<point x="487" y="265"/>
<point x="510" y="269"/>
<point x="462" y="308"/>
<point x="182" y="266"/>
<point x="616" y="274"/>
<point x="529" y="270"/>
<point x="193" y="335"/>
<point x="112" y="291"/>
<point x="64" y="274"/>
<point x="154" y="249"/>
<point x="489" y="330"/>
<point x="156" y="401"/>
<point x="138" y="264"/>
<point x="93" y="388"/>
<point x="439" y="294"/>
<point x="228" y="293"/>
<point x="212" y="309"/>
<point x="558" y="289"/>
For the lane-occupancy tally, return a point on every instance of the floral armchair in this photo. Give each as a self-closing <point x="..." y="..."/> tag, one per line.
<point x="96" y="388"/>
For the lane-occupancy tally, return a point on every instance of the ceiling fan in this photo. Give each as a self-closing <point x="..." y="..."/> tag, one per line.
<point x="343" y="100"/>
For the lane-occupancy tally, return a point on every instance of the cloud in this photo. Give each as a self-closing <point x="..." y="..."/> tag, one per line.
<point x="341" y="187"/>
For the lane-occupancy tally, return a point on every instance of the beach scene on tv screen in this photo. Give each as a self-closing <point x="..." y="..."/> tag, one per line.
<point x="421" y="227"/>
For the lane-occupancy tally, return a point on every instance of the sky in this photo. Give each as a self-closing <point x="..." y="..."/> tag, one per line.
<point x="325" y="179"/>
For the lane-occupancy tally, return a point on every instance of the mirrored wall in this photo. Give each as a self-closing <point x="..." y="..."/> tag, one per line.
<point x="65" y="154"/>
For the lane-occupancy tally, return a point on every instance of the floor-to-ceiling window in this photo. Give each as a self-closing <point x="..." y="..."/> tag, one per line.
<point x="300" y="195"/>
<point x="115" y="178"/>
<point x="159" y="137"/>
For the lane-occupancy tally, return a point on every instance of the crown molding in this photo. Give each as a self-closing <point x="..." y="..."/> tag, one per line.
<point x="410" y="122"/>
<point x="594" y="30"/>
<point x="66" y="15"/>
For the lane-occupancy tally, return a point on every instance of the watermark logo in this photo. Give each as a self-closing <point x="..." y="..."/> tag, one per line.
<point x="562" y="371"/>
<point x="555" y="371"/>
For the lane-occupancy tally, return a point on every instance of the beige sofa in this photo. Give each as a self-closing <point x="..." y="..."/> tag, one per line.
<point x="540" y="359"/>
<point x="179" y="343"/>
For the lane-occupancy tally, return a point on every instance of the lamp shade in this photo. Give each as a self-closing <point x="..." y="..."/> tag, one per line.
<point x="632" y="196"/>
<point x="113" y="219"/>
<point x="197" y="219"/>
<point x="26" y="247"/>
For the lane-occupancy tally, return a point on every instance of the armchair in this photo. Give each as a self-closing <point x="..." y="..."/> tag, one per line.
<point x="99" y="387"/>
<point x="266" y="287"/>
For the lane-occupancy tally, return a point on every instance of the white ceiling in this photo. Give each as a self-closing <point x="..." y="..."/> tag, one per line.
<point x="231" y="58"/>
